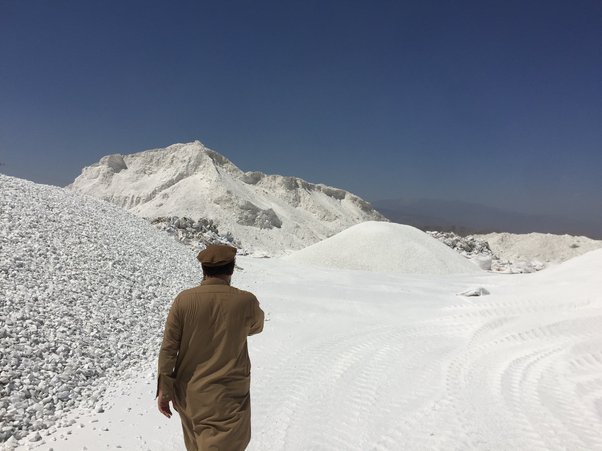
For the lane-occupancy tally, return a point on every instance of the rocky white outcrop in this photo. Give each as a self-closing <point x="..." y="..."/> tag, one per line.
<point x="468" y="246"/>
<point x="196" y="234"/>
<point x="266" y="213"/>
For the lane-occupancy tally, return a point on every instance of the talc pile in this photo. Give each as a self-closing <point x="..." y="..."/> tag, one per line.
<point x="385" y="247"/>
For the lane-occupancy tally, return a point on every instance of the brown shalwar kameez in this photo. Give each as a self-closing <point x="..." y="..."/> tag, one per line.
<point x="204" y="365"/>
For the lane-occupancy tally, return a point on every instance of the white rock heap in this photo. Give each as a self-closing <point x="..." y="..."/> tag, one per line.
<point x="84" y="290"/>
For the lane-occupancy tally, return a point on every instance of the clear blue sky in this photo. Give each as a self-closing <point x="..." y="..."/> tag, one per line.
<point x="497" y="102"/>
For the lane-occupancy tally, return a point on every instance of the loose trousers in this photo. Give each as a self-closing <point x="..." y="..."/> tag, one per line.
<point x="203" y="431"/>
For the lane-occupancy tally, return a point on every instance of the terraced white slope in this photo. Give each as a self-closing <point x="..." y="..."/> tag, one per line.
<point x="266" y="213"/>
<point x="542" y="247"/>
<point x="354" y="360"/>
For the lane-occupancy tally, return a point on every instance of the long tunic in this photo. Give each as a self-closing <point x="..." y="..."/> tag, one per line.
<point x="204" y="363"/>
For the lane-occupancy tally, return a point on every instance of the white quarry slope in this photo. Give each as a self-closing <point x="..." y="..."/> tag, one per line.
<point x="385" y="247"/>
<point x="349" y="359"/>
<point x="542" y="247"/>
<point x="84" y="286"/>
<point x="266" y="213"/>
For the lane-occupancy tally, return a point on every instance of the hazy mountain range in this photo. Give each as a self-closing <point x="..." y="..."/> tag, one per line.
<point x="466" y="217"/>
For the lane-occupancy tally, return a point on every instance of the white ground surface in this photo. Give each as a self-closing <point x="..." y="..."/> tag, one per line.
<point x="353" y="360"/>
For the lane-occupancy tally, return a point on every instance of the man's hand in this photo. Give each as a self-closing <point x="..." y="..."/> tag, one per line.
<point x="163" y="405"/>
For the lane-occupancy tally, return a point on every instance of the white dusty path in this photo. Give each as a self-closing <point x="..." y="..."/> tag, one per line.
<point x="352" y="360"/>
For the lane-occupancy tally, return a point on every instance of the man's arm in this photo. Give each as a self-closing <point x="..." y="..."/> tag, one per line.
<point x="168" y="354"/>
<point x="257" y="317"/>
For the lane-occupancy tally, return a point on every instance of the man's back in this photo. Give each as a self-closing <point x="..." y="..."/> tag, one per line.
<point x="215" y="320"/>
<point x="204" y="362"/>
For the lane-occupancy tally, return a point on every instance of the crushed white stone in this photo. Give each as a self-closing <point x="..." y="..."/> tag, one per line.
<point x="545" y="248"/>
<point x="84" y="290"/>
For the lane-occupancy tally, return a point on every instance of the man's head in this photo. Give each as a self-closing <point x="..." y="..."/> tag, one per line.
<point x="217" y="260"/>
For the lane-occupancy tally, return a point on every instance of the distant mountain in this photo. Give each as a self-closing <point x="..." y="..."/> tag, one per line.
<point x="466" y="218"/>
<point x="265" y="213"/>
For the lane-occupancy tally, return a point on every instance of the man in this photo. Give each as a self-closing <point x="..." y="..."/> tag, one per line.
<point x="204" y="366"/>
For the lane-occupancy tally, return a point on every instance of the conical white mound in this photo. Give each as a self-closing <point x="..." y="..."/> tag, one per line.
<point x="385" y="247"/>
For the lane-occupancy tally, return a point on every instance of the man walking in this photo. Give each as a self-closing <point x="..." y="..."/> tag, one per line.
<point x="204" y="366"/>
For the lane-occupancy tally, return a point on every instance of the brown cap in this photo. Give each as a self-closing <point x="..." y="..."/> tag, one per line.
<point x="217" y="255"/>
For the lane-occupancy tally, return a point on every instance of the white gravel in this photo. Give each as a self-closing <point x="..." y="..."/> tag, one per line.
<point x="84" y="290"/>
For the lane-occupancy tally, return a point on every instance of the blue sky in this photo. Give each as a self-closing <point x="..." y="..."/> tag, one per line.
<point x="496" y="102"/>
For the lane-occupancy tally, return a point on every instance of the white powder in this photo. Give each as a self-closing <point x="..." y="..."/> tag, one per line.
<point x="385" y="247"/>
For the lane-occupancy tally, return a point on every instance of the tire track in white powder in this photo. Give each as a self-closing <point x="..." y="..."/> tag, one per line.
<point x="311" y="384"/>
<point x="500" y="372"/>
<point x="363" y="381"/>
<point x="539" y="409"/>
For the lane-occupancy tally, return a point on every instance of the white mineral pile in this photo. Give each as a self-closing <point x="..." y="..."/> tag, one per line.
<point x="266" y="213"/>
<point x="538" y="248"/>
<point x="385" y="247"/>
<point x="84" y="288"/>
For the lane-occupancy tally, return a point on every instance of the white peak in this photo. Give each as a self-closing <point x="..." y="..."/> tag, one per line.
<point x="267" y="213"/>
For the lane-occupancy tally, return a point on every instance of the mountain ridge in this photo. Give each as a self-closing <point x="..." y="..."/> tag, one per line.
<point x="265" y="212"/>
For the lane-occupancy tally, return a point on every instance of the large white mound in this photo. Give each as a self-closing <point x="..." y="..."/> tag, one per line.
<point x="84" y="289"/>
<point x="544" y="247"/>
<point x="385" y="247"/>
<point x="265" y="213"/>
